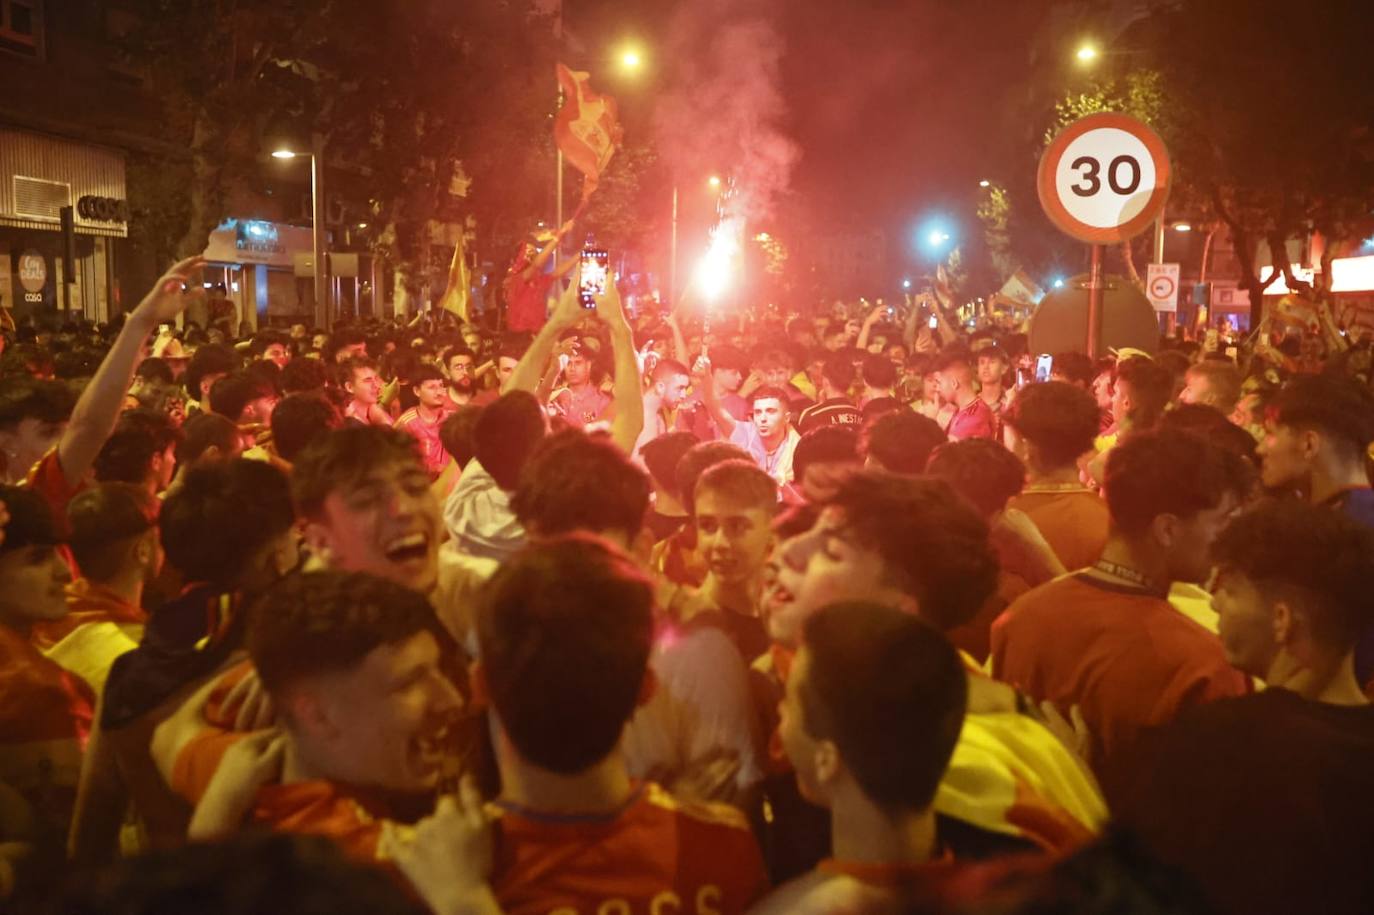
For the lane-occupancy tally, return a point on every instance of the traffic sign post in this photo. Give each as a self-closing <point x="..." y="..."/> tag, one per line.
<point x="1161" y="286"/>
<point x="1103" y="180"/>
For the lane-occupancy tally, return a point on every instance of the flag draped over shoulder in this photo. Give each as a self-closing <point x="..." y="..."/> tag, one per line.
<point x="458" y="293"/>
<point x="587" y="129"/>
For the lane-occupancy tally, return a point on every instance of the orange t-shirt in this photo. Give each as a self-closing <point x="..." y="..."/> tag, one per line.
<point x="1073" y="519"/>
<point x="1127" y="658"/>
<point x="658" y="854"/>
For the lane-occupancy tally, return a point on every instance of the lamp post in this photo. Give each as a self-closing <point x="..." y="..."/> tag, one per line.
<point x="320" y="257"/>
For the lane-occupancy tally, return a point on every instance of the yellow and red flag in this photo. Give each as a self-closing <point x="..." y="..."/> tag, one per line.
<point x="587" y="129"/>
<point x="459" y="290"/>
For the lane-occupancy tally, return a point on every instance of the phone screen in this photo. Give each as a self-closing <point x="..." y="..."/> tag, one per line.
<point x="1043" y="366"/>
<point x="934" y="323"/>
<point x="595" y="270"/>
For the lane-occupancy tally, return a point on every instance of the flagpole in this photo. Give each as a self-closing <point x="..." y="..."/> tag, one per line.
<point x="558" y="150"/>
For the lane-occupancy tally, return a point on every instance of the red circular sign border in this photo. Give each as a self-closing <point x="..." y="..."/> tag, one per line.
<point x="1173" y="287"/>
<point x="1060" y="216"/>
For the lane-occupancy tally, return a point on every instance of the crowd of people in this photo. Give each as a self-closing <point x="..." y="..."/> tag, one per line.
<point x="863" y="611"/>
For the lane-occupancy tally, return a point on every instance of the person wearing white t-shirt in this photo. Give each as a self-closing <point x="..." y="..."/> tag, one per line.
<point x="768" y="436"/>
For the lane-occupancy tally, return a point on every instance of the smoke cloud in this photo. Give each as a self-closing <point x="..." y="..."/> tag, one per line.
<point x="724" y="109"/>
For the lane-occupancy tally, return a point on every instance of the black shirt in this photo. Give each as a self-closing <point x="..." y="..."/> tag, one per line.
<point x="834" y="412"/>
<point x="1266" y="801"/>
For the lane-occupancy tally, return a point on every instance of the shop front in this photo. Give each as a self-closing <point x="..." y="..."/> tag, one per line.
<point x="266" y="271"/>
<point x="40" y="175"/>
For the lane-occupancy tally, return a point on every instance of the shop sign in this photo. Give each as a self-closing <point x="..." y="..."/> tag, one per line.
<point x="33" y="275"/>
<point x="102" y="209"/>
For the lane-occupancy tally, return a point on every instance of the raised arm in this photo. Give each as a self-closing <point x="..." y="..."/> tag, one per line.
<point x="628" y="393"/>
<point x="873" y="317"/>
<point x="98" y="409"/>
<point x="542" y="258"/>
<point x="531" y="367"/>
<point x="701" y="377"/>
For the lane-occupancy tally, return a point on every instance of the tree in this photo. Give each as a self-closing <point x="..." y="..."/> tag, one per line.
<point x="411" y="101"/>
<point x="1274" y="138"/>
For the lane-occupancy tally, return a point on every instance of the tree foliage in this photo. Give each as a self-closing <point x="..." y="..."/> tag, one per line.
<point x="411" y="100"/>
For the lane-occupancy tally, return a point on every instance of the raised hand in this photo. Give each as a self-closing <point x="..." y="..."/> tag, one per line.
<point x="608" y="306"/>
<point x="569" y="309"/>
<point x="174" y="292"/>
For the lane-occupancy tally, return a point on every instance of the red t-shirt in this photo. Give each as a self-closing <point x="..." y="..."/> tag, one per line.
<point x="974" y="421"/>
<point x="427" y="434"/>
<point x="658" y="854"/>
<point x="1124" y="655"/>
<point x="527" y="302"/>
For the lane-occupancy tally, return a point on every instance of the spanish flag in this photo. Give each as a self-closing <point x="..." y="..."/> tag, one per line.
<point x="587" y="129"/>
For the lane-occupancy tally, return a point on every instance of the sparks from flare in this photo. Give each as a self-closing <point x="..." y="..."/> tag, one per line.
<point x="715" y="269"/>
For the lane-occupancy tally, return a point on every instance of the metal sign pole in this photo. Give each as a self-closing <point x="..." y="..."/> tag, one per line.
<point x="1095" y="285"/>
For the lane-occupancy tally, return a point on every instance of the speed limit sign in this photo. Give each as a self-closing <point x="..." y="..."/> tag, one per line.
<point x="1104" y="178"/>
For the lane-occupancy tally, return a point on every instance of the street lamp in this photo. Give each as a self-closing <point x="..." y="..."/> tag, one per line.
<point x="631" y="59"/>
<point x="713" y="181"/>
<point x="318" y="255"/>
<point x="1087" y="53"/>
<point x="985" y="183"/>
<point x="1183" y="227"/>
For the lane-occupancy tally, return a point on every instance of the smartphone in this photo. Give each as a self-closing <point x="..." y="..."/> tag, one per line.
<point x="595" y="275"/>
<point x="1043" y="366"/>
<point x="934" y="322"/>
<point x="891" y="312"/>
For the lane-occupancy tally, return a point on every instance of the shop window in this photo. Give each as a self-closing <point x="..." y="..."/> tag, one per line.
<point x="21" y="27"/>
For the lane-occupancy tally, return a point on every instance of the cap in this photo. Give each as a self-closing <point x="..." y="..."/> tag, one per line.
<point x="31" y="521"/>
<point x="1129" y="352"/>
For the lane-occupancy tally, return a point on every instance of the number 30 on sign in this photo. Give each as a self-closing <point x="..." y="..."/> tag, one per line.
<point x="1104" y="178"/>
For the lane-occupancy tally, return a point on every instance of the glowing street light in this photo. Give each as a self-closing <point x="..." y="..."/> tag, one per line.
<point x="1183" y="227"/>
<point x="1058" y="282"/>
<point x="319" y="257"/>
<point x="631" y="59"/>
<point x="714" y="182"/>
<point x="937" y="238"/>
<point x="1087" y="54"/>
<point x="906" y="284"/>
<point x="985" y="183"/>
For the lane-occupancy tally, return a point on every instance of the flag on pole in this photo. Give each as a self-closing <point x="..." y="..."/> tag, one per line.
<point x="1023" y="290"/>
<point x="459" y="290"/>
<point x="587" y="129"/>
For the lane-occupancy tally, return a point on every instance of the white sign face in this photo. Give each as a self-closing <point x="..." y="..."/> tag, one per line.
<point x="1105" y="178"/>
<point x="1161" y="286"/>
